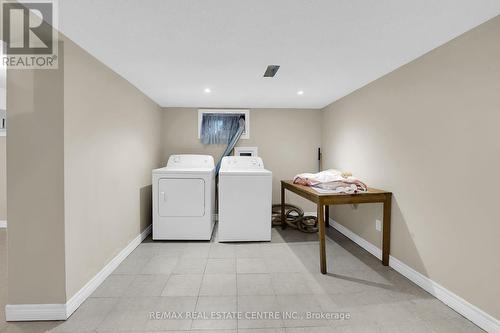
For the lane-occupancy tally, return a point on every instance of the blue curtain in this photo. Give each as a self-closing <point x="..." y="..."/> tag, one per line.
<point x="217" y="128"/>
<point x="232" y="143"/>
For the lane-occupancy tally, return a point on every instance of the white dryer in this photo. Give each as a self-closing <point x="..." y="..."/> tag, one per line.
<point x="184" y="198"/>
<point x="245" y="200"/>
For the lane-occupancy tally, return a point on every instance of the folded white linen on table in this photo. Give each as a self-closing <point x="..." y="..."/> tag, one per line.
<point x="331" y="181"/>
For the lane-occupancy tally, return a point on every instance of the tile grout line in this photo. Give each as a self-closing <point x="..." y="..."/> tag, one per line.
<point x="199" y="289"/>
<point x="237" y="293"/>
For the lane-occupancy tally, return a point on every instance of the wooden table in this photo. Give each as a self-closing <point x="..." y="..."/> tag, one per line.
<point x="324" y="200"/>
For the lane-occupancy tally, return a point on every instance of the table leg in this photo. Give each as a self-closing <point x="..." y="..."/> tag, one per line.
<point x="322" y="249"/>
<point x="386" y="236"/>
<point x="327" y="216"/>
<point x="283" y="217"/>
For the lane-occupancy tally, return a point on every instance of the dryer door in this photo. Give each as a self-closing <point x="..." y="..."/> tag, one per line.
<point x="181" y="197"/>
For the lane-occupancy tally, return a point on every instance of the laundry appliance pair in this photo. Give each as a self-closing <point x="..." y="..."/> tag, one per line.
<point x="184" y="199"/>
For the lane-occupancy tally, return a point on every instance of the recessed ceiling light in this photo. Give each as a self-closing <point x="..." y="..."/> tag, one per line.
<point x="207" y="90"/>
<point x="300" y="92"/>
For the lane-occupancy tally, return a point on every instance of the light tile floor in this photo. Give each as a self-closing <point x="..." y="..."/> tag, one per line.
<point x="250" y="278"/>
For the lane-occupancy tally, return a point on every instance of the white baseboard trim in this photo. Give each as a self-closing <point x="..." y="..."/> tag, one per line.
<point x="32" y="312"/>
<point x="3" y="224"/>
<point x="35" y="312"/>
<point x="466" y="309"/>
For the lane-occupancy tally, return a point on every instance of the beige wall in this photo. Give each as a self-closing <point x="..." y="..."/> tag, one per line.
<point x="429" y="132"/>
<point x="3" y="153"/>
<point x="287" y="139"/>
<point x="82" y="144"/>
<point x="3" y="101"/>
<point x="112" y="142"/>
<point x="35" y="186"/>
<point x="3" y="178"/>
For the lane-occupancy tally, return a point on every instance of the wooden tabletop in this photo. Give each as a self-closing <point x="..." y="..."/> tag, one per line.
<point x="372" y="195"/>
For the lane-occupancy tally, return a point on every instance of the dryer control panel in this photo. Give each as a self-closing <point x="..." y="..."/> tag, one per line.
<point x="190" y="161"/>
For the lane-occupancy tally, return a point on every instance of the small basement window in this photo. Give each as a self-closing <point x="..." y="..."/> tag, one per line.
<point x="220" y="124"/>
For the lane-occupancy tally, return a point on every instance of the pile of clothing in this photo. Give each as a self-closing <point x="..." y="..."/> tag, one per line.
<point x="331" y="181"/>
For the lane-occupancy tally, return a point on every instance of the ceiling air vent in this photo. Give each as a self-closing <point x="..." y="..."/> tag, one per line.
<point x="271" y="70"/>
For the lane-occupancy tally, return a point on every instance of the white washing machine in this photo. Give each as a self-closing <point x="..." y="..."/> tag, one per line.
<point x="245" y="200"/>
<point x="184" y="198"/>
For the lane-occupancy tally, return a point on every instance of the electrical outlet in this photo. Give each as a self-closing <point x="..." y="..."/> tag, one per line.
<point x="378" y="225"/>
